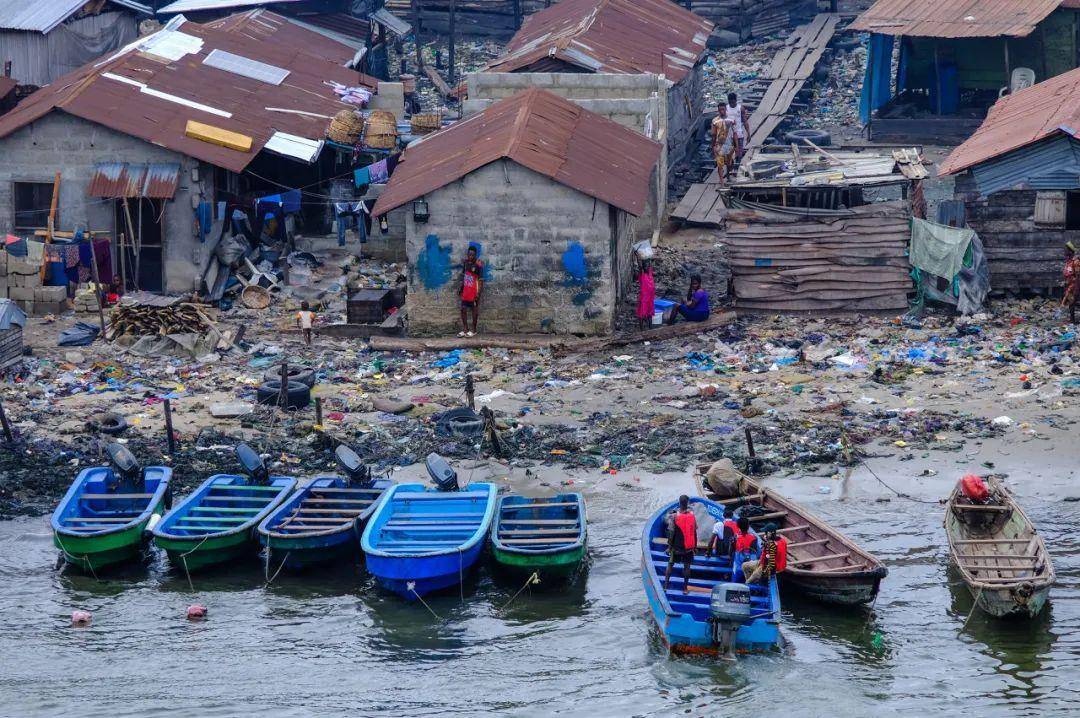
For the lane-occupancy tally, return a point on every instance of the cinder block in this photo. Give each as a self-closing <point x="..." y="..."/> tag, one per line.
<point x="50" y="294"/>
<point x="21" y="293"/>
<point x="40" y="309"/>
<point x="19" y="265"/>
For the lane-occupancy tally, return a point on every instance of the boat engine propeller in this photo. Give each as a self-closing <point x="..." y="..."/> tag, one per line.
<point x="252" y="464"/>
<point x="441" y="472"/>
<point x="354" y="468"/>
<point x="729" y="608"/>
<point x="126" y="467"/>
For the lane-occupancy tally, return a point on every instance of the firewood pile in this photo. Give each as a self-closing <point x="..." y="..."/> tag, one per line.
<point x="159" y="316"/>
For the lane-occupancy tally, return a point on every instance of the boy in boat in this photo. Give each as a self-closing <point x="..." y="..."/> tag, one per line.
<point x="747" y="547"/>
<point x="723" y="535"/>
<point x="682" y="542"/>
<point x="773" y="560"/>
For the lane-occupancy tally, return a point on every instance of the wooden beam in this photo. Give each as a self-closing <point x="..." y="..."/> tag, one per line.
<point x="815" y="559"/>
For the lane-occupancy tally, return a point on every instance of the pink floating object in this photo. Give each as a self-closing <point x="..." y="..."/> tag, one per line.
<point x="81" y="618"/>
<point x="196" y="611"/>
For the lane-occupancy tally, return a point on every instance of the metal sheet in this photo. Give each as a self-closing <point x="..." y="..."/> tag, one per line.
<point x="539" y="130"/>
<point x="1020" y="119"/>
<point x="35" y="15"/>
<point x="114" y="180"/>
<point x="193" y="5"/>
<point x="391" y="22"/>
<point x="954" y="18"/>
<point x="616" y="36"/>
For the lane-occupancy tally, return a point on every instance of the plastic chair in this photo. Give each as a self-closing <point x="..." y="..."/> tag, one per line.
<point x="1021" y="77"/>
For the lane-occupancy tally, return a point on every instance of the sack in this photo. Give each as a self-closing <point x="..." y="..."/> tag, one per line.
<point x="723" y="478"/>
<point x="644" y="249"/>
<point x="974" y="488"/>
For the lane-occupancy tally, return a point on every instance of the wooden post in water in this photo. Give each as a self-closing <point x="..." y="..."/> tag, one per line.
<point x="318" y="411"/>
<point x="4" y="423"/>
<point x="170" y="437"/>
<point x="749" y="443"/>
<point x="470" y="392"/>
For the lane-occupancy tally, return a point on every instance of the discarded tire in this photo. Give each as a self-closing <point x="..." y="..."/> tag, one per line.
<point x="297" y="396"/>
<point x="111" y="424"/>
<point x="446" y="420"/>
<point x="465" y="426"/>
<point x="300" y="374"/>
<point x="821" y="138"/>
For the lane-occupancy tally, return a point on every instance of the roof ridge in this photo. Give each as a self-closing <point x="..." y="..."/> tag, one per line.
<point x="524" y="115"/>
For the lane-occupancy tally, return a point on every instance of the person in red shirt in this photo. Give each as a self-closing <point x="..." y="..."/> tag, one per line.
<point x="682" y="542"/>
<point x="773" y="560"/>
<point x="472" y="282"/>
<point x="722" y="542"/>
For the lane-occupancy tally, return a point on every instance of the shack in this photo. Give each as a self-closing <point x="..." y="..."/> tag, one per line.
<point x="822" y="231"/>
<point x="621" y="37"/>
<point x="954" y="59"/>
<point x="43" y="40"/>
<point x="1018" y="183"/>
<point x="547" y="192"/>
<point x="162" y="140"/>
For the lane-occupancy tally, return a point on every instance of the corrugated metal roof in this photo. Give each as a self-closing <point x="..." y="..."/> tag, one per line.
<point x="539" y="130"/>
<point x="1020" y="119"/>
<point x="35" y="15"/>
<point x="265" y="26"/>
<point x="152" y="98"/>
<point x="617" y="36"/>
<point x="391" y="22"/>
<point x="121" y="179"/>
<point x="193" y="5"/>
<point x="1052" y="163"/>
<point x="954" y="18"/>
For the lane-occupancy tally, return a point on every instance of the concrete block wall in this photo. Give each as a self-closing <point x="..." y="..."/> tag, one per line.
<point x="20" y="281"/>
<point x="60" y="142"/>
<point x="542" y="275"/>
<point x="640" y="102"/>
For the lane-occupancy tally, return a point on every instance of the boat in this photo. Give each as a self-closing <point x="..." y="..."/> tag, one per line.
<point x="323" y="520"/>
<point x="424" y="539"/>
<point x="216" y="522"/>
<point x="698" y="622"/>
<point x="1000" y="556"/>
<point x="103" y="518"/>
<point x="823" y="564"/>
<point x="542" y="535"/>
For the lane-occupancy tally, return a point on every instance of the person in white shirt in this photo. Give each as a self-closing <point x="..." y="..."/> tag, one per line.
<point x="737" y="112"/>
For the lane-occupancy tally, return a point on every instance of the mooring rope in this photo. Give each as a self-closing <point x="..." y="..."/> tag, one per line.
<point x="532" y="580"/>
<point x="411" y="585"/>
<point x="85" y="558"/>
<point x="183" y="559"/>
<point x="271" y="580"/>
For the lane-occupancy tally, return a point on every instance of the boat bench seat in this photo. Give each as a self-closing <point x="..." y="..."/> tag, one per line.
<point x="473" y="515"/>
<point x="465" y="530"/>
<point x="116" y="497"/>
<point x="511" y="507"/>
<point x="100" y="519"/>
<point x="439" y="496"/>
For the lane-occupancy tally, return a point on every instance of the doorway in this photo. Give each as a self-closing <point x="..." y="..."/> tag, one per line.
<point x="140" y="226"/>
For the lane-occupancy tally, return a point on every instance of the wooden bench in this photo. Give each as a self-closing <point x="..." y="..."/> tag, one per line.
<point x="536" y="506"/>
<point x="118" y="497"/>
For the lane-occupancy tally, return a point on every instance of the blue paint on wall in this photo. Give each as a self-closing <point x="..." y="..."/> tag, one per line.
<point x="433" y="264"/>
<point x="573" y="260"/>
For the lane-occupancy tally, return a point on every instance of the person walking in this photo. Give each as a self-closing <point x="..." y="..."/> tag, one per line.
<point x="737" y="112"/>
<point x="305" y="320"/>
<point x="646" y="295"/>
<point x="723" y="142"/>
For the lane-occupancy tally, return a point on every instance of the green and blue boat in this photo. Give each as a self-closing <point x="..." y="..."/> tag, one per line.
<point x="217" y="522"/>
<point x="103" y="518"/>
<point x="542" y="535"/>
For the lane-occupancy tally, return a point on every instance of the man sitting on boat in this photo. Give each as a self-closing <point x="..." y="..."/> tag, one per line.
<point x="682" y="541"/>
<point x="772" y="561"/>
<point x="747" y="547"/>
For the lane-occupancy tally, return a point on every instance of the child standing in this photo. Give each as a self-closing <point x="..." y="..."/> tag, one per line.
<point x="646" y="295"/>
<point x="305" y="318"/>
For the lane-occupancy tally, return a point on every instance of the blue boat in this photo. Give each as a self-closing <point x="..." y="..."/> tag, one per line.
<point x="105" y="514"/>
<point x="421" y="540"/>
<point x="545" y="536"/>
<point x="323" y="521"/>
<point x="216" y="523"/>
<point x="690" y="622"/>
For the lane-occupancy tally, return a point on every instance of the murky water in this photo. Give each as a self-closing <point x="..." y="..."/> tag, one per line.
<point x="333" y="644"/>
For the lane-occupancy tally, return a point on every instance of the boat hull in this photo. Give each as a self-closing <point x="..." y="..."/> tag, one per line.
<point x="553" y="566"/>
<point x="1005" y="604"/>
<point x="841" y="591"/>
<point x="420" y="575"/>
<point x="95" y="553"/>
<point x="197" y="553"/>
<point x="311" y="551"/>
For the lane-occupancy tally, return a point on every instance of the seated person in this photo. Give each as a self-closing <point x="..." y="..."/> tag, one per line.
<point x="696" y="306"/>
<point x="722" y="541"/>
<point x="772" y="561"/>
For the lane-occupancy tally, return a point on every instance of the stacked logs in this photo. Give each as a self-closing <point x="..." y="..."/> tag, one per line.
<point x="145" y="320"/>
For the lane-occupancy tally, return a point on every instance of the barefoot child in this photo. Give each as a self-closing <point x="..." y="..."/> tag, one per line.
<point x="305" y="318"/>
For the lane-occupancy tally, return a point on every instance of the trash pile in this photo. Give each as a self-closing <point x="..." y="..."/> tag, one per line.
<point x="835" y="101"/>
<point x="735" y="69"/>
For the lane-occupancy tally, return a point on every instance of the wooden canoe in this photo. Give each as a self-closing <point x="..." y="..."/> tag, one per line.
<point x="1003" y="561"/>
<point x="823" y="564"/>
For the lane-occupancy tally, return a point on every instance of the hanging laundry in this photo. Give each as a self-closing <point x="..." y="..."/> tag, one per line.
<point x="362" y="177"/>
<point x="103" y="252"/>
<point x="378" y="172"/>
<point x="359" y="96"/>
<point x="204" y="213"/>
<point x="35" y="251"/>
<point x="86" y="262"/>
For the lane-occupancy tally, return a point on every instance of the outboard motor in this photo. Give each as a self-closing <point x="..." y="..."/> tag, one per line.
<point x="126" y="467"/>
<point x="441" y="473"/>
<point x="729" y="608"/>
<point x="354" y="468"/>
<point x="252" y="464"/>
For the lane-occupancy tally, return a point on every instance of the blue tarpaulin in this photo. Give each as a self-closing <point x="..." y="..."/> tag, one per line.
<point x="877" y="84"/>
<point x="288" y="201"/>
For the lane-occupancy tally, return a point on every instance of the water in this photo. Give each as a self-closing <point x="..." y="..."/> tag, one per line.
<point x="333" y="644"/>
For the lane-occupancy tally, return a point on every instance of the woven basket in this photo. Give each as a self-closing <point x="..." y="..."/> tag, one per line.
<point x="422" y="124"/>
<point x="346" y="127"/>
<point x="408" y="84"/>
<point x="255" y="297"/>
<point x="381" y="130"/>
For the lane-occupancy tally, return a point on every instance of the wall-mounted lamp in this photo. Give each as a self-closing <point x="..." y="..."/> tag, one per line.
<point x="420" y="211"/>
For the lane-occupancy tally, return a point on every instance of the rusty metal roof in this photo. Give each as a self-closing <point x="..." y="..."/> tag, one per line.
<point x="539" y="130"/>
<point x="955" y="18"/>
<point x="151" y="88"/>
<point x="261" y="25"/>
<point x="121" y="179"/>
<point x="1020" y="119"/>
<point x="617" y="36"/>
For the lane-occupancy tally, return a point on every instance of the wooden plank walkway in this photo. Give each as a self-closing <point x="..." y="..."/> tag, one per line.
<point x="786" y="75"/>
